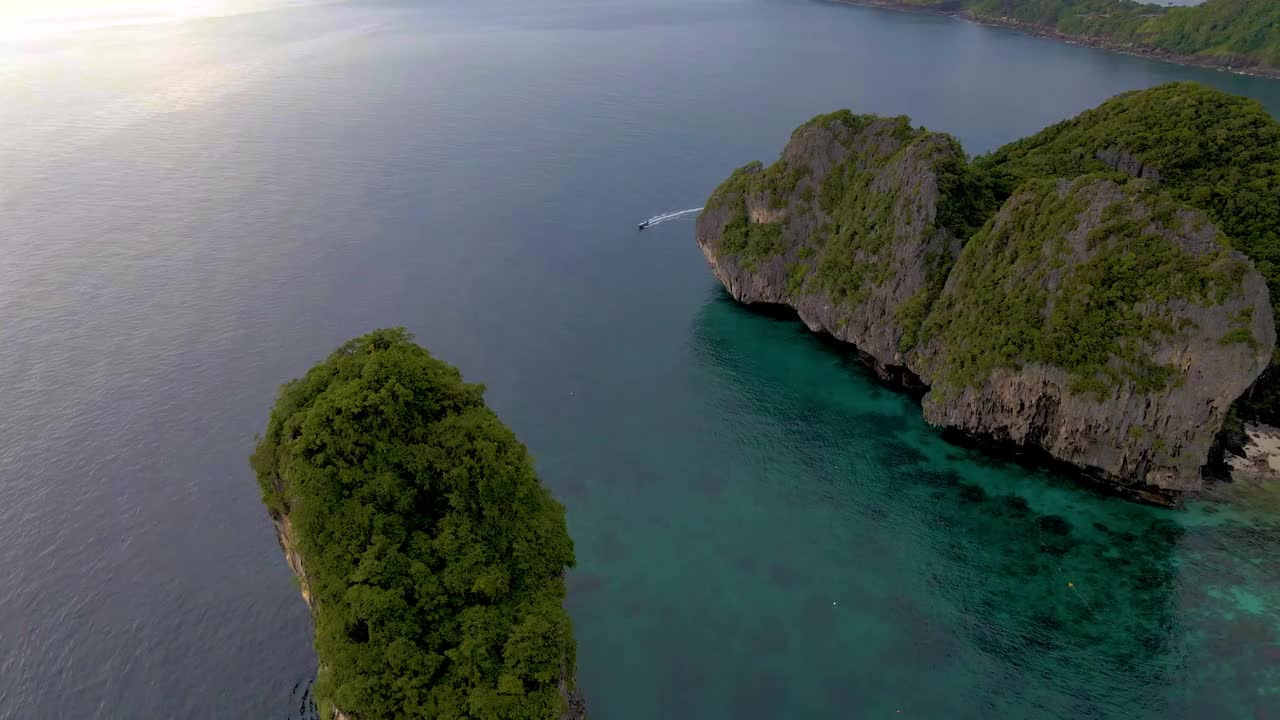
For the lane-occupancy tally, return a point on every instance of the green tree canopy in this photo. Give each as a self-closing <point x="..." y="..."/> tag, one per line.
<point x="433" y="555"/>
<point x="1217" y="152"/>
<point x="1234" y="32"/>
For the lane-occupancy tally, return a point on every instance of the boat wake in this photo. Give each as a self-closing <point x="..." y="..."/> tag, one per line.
<point x="667" y="216"/>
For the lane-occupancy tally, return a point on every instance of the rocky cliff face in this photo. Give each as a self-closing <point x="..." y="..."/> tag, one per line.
<point x="289" y="545"/>
<point x="843" y="229"/>
<point x="1126" y="162"/>
<point x="1100" y="322"/>
<point x="1095" y="319"/>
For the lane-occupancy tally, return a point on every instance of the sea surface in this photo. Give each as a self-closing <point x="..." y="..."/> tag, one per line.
<point x="195" y="208"/>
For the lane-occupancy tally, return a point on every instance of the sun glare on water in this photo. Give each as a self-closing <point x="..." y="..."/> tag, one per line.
<point x="33" y="19"/>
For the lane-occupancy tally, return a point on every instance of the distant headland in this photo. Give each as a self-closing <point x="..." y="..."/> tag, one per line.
<point x="1241" y="36"/>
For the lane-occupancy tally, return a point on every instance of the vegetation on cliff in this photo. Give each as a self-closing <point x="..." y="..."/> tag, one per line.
<point x="757" y="240"/>
<point x="1193" y="146"/>
<point x="1099" y="289"/>
<point x="1023" y="293"/>
<point x="852" y="253"/>
<point x="1238" y="30"/>
<point x="856" y="254"/>
<point x="1216" y="152"/>
<point x="433" y="556"/>
<point x="1232" y="32"/>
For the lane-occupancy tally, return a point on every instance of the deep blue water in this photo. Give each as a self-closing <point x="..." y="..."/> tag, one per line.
<point x="192" y="213"/>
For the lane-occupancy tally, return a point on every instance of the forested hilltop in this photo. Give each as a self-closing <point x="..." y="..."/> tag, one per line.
<point x="1217" y="152"/>
<point x="430" y="556"/>
<point x="1238" y="34"/>
<point x="1103" y="290"/>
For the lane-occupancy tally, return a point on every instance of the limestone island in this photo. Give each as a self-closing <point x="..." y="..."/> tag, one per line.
<point x="1098" y="292"/>
<point x="430" y="556"/>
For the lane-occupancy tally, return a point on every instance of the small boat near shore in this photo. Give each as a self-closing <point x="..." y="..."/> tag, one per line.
<point x="665" y="217"/>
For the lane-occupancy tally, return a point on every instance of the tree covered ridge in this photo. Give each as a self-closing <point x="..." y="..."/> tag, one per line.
<point x="1239" y="32"/>
<point x="1175" y="148"/>
<point x="1213" y="151"/>
<point x="433" y="555"/>
<point x="852" y="251"/>
<point x="1109" y="304"/>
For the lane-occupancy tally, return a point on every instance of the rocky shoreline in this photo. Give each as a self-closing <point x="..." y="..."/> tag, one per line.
<point x="1256" y="463"/>
<point x="1261" y="459"/>
<point x="1042" y="333"/>
<point x="1143" y="51"/>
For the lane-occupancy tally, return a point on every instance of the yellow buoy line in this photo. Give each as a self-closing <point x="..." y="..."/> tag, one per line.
<point x="1070" y="584"/>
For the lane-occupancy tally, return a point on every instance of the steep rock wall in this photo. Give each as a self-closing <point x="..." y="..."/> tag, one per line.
<point x="1095" y="319"/>
<point x="843" y="229"/>
<point x="1103" y="323"/>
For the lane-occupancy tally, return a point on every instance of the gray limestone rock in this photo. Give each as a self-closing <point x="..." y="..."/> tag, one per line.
<point x="848" y="228"/>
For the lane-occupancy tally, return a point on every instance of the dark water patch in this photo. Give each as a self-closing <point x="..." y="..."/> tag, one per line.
<point x="783" y="577"/>
<point x="580" y="584"/>
<point x="569" y="486"/>
<point x="1038" y="463"/>
<point x="920" y="635"/>
<point x="971" y="494"/>
<point x="637" y="606"/>
<point x="1085" y="710"/>
<point x="943" y="483"/>
<point x="818" y="614"/>
<point x="876" y="513"/>
<point x="685" y="681"/>
<point x="1163" y="533"/>
<point x="901" y="455"/>
<point x="929" y="646"/>
<point x="770" y="638"/>
<point x="1054" y="534"/>
<point x="709" y="484"/>
<point x="846" y="690"/>
<point x="1053" y="525"/>
<point x="776" y="312"/>
<point x="1013" y="506"/>
<point x="988" y="452"/>
<point x="638" y="473"/>
<point x="762" y="695"/>
<point x="608" y="546"/>
<point x="719" y="319"/>
<point x="1038" y="638"/>
<point x="302" y="704"/>
<point x="745" y="564"/>
<point x="887" y="426"/>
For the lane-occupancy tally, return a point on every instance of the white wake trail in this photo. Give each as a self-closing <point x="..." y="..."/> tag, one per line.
<point x="669" y="216"/>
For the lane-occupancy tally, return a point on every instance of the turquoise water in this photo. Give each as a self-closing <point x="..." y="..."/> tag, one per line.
<point x="839" y="556"/>
<point x="195" y="211"/>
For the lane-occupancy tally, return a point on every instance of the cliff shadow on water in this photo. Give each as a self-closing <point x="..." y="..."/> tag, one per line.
<point x="894" y="377"/>
<point x="901" y="380"/>
<point x="1006" y="586"/>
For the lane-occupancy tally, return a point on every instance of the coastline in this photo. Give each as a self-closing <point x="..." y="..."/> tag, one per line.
<point x="1142" y="51"/>
<point x="1261" y="461"/>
